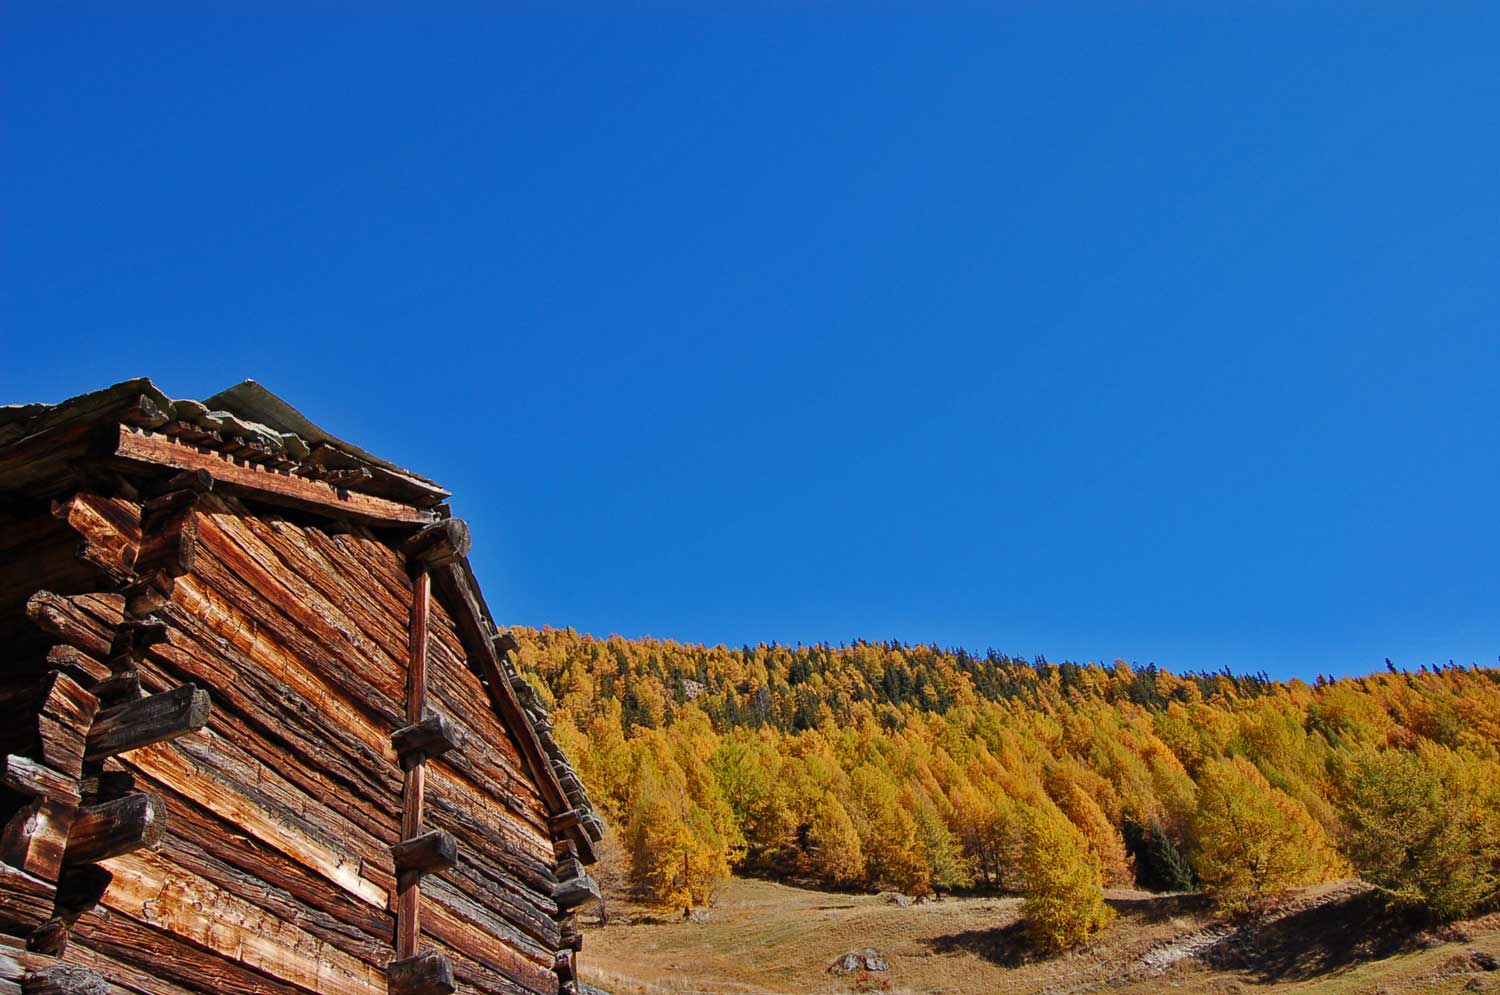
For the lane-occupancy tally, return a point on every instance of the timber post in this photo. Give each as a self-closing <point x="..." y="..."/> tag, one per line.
<point x="425" y="735"/>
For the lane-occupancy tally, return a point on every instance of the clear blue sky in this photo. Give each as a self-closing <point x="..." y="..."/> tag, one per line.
<point x="1094" y="335"/>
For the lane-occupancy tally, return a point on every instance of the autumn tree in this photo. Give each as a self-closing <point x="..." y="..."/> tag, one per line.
<point x="947" y="867"/>
<point x="1103" y="838"/>
<point x="833" y="847"/>
<point x="1253" y="842"/>
<point x="677" y="857"/>
<point x="1064" y="889"/>
<point x="1423" y="825"/>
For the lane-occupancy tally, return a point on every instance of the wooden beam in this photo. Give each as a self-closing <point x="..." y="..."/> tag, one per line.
<point x="414" y="783"/>
<point x="136" y="449"/>
<point x="560" y="824"/>
<point x="26" y="901"/>
<point x="37" y="780"/>
<point x="63" y="719"/>
<point x="432" y="851"/>
<point x="574" y="892"/>
<point x="35" y="837"/>
<point x="427" y="973"/>
<point x="144" y="721"/>
<point x="112" y="828"/>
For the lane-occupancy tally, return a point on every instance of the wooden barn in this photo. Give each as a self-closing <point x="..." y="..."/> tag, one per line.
<point x="259" y="732"/>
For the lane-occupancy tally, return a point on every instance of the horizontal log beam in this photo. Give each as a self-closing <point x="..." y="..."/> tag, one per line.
<point x="37" y="780"/>
<point x="112" y="828"/>
<point x="560" y="824"/>
<point x="144" y="721"/>
<point x="432" y="851"/>
<point x="26" y="901"/>
<point x="65" y="979"/>
<point x="134" y="450"/>
<point x="428" y="973"/>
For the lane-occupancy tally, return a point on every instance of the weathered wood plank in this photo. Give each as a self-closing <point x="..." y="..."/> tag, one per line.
<point x="429" y="852"/>
<point x="64" y="714"/>
<point x="61" y="617"/>
<point x="147" y="887"/>
<point x="108" y="530"/>
<point x="222" y="853"/>
<point x="26" y="900"/>
<point x="163" y="956"/>
<point x="146" y="449"/>
<point x="126" y="977"/>
<point x="437" y="544"/>
<point x="432" y="737"/>
<point x="65" y="979"/>
<point x="278" y="825"/>
<point x="82" y="668"/>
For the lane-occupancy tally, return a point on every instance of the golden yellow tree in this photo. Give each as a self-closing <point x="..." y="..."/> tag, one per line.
<point x="1064" y="888"/>
<point x="1251" y="842"/>
<point x="1423" y="825"/>
<point x="677" y="858"/>
<point x="833" y="843"/>
<point x="1103" y="838"/>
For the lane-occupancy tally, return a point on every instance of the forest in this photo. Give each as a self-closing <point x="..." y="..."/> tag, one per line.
<point x="924" y="771"/>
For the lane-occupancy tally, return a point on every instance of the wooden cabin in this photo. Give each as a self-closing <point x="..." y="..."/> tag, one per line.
<point x="259" y="730"/>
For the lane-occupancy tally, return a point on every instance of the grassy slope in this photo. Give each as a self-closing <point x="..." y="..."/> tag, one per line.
<point x="772" y="938"/>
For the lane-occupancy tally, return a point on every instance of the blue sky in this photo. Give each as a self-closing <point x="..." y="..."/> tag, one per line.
<point x="1092" y="334"/>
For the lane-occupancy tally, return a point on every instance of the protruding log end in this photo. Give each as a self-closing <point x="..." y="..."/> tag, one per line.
<point x="575" y="891"/>
<point x="438" y="544"/>
<point x="147" y="720"/>
<point x="425" y="854"/>
<point x="115" y="827"/>
<point x="420" y="741"/>
<point x="428" y="973"/>
<point x="64" y="979"/>
<point x="506" y="643"/>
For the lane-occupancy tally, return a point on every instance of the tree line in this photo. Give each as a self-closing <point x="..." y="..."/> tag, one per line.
<point x="924" y="770"/>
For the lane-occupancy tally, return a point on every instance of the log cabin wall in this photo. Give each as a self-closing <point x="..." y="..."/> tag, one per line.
<point x="259" y="858"/>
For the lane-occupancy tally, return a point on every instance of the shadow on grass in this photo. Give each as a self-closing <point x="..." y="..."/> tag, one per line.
<point x="1007" y="945"/>
<point x="1322" y="940"/>
<point x="1159" y="908"/>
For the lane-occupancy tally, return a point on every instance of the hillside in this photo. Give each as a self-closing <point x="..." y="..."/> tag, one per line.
<point x="879" y="766"/>
<point x="763" y="937"/>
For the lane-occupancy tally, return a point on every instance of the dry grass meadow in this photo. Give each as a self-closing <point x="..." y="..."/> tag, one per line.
<point x="763" y="937"/>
